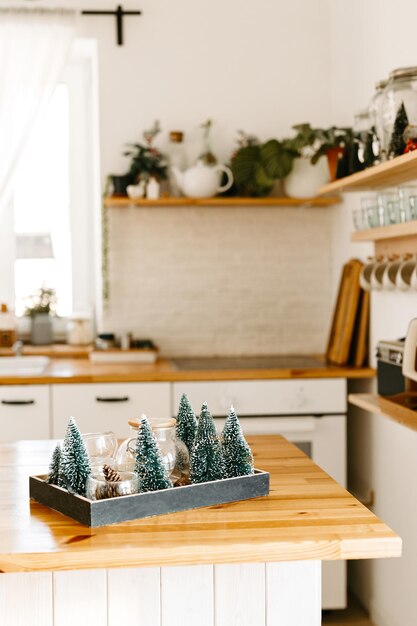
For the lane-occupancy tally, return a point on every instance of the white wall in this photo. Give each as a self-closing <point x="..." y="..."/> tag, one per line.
<point x="366" y="45"/>
<point x="261" y="67"/>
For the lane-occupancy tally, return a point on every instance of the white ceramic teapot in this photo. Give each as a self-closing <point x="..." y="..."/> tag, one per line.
<point x="202" y="181"/>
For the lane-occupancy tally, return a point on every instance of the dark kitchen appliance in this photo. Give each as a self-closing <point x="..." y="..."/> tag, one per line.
<point x="390" y="355"/>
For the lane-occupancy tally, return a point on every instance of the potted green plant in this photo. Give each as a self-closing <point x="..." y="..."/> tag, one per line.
<point x="257" y="166"/>
<point x="333" y="143"/>
<point x="308" y="172"/>
<point x="146" y="160"/>
<point x="41" y="307"/>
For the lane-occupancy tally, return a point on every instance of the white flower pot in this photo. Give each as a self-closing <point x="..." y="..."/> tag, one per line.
<point x="305" y="178"/>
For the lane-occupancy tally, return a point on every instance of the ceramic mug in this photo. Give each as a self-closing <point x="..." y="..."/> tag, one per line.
<point x="406" y="275"/>
<point x="389" y="278"/>
<point x="365" y="275"/>
<point x="377" y="274"/>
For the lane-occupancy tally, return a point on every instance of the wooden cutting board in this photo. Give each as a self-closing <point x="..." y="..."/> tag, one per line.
<point x="361" y="334"/>
<point x="344" y="318"/>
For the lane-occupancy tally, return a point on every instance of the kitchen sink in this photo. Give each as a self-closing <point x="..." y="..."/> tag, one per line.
<point x="23" y="365"/>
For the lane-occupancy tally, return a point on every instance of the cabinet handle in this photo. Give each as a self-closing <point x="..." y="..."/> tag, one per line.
<point x="17" y="402"/>
<point x="121" y="399"/>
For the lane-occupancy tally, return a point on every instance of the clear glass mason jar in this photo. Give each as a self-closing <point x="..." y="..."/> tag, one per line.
<point x="401" y="89"/>
<point x="174" y="452"/>
<point x="376" y="117"/>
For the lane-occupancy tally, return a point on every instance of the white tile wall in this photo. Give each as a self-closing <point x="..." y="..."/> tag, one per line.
<point x="221" y="281"/>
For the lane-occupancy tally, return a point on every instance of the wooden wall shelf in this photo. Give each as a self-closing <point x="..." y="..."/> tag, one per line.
<point x="122" y="202"/>
<point x="373" y="403"/>
<point x="398" y="171"/>
<point x="394" y="231"/>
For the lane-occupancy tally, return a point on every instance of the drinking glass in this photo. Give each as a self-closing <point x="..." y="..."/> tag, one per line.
<point x="373" y="212"/>
<point x="412" y="207"/>
<point x="101" y="448"/>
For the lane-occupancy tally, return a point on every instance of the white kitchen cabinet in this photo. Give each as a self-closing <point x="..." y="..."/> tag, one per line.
<point x="24" y="412"/>
<point x="107" y="406"/>
<point x="266" y="397"/>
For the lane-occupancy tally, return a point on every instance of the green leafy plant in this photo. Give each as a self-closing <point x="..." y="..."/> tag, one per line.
<point x="146" y="160"/>
<point x="41" y="302"/>
<point x="256" y="167"/>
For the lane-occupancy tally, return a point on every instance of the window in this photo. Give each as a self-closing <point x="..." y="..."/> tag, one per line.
<point x="41" y="209"/>
<point x="55" y="213"/>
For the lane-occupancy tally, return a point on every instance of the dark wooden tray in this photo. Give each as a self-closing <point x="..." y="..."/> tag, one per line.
<point x="110" y="511"/>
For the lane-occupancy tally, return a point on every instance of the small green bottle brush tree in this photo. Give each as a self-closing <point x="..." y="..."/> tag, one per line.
<point x="186" y="428"/>
<point x="70" y="467"/>
<point x="149" y="465"/>
<point x="237" y="455"/>
<point x="206" y="461"/>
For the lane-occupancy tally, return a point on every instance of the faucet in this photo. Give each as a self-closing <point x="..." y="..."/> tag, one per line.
<point x="18" y="348"/>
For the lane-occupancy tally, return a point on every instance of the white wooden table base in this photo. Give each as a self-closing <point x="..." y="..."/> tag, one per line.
<point x="253" y="594"/>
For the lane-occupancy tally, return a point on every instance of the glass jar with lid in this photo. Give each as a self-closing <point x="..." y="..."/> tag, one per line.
<point x="376" y="118"/>
<point x="400" y="90"/>
<point x="174" y="452"/>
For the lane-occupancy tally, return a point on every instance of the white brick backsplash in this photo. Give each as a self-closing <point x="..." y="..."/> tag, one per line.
<point x="221" y="281"/>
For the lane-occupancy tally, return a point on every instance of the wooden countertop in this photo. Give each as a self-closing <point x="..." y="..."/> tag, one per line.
<point x="82" y="370"/>
<point x="307" y="516"/>
<point x="400" y="408"/>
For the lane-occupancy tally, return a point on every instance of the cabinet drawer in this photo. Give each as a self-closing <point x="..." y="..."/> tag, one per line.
<point x="107" y="406"/>
<point x="266" y="397"/>
<point x="24" y="412"/>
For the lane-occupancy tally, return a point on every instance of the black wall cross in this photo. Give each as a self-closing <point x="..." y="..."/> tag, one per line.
<point x="119" y="14"/>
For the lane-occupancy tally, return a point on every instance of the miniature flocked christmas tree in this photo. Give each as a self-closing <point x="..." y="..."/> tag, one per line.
<point x="149" y="464"/>
<point x="186" y="423"/>
<point x="237" y="455"/>
<point x="75" y="464"/>
<point x="54" y="477"/>
<point x="206" y="462"/>
<point x="397" y="143"/>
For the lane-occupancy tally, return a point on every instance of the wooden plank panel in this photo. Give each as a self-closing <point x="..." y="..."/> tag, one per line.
<point x="123" y="202"/>
<point x="293" y="593"/>
<point x="80" y="597"/>
<point x="26" y="599"/>
<point x="239" y="595"/>
<point x="133" y="596"/>
<point x="393" y="407"/>
<point x="187" y="595"/>
<point x="391" y="173"/>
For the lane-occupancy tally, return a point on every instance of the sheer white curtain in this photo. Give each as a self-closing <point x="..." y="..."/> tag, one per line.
<point x="34" y="45"/>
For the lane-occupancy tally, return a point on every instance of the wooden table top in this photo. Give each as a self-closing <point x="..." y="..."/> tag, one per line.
<point x="82" y="370"/>
<point x="306" y="516"/>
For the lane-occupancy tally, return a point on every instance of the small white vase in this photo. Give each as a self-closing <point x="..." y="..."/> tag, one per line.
<point x="305" y="179"/>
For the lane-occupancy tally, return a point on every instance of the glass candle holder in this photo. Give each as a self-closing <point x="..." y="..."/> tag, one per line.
<point x="98" y="488"/>
<point x="101" y="448"/>
<point x="174" y="452"/>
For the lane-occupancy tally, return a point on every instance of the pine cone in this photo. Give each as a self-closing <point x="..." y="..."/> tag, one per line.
<point x="110" y="474"/>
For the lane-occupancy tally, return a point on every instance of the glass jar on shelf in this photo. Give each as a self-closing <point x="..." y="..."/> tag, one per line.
<point x="401" y="91"/>
<point x="376" y="118"/>
<point x="174" y="452"/>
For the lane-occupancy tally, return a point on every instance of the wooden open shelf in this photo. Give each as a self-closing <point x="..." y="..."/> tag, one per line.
<point x="398" y="171"/>
<point x="121" y="201"/>
<point x="393" y="231"/>
<point x="373" y="403"/>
